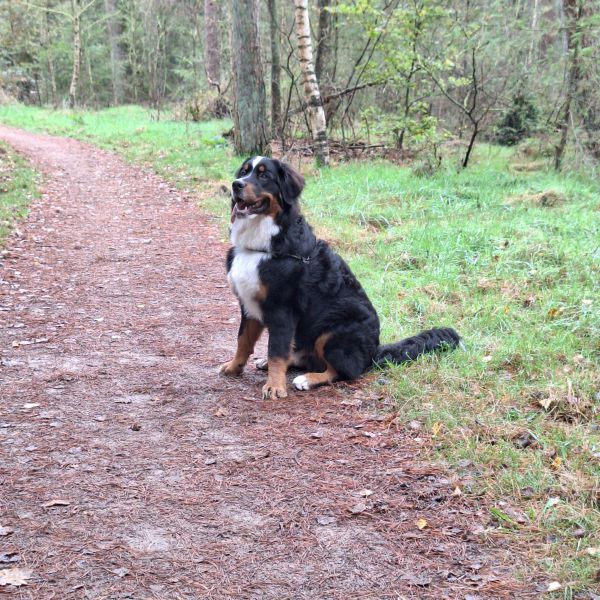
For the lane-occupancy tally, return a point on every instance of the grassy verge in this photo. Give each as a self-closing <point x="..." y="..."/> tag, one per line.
<point x="18" y="186"/>
<point x="510" y="257"/>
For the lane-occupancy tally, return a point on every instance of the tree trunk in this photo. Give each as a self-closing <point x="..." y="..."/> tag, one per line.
<point x="249" y="108"/>
<point x="212" y="43"/>
<point x="49" y="62"/>
<point x="589" y="100"/>
<point x="77" y="51"/>
<point x="324" y="59"/>
<point x="275" y="69"/>
<point x="311" y="85"/>
<point x="534" y="34"/>
<point x="572" y="13"/>
<point x="116" y="55"/>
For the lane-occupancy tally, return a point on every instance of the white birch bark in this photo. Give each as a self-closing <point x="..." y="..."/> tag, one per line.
<point x="311" y="86"/>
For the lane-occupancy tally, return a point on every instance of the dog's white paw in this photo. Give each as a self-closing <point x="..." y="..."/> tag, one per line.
<point x="301" y="382"/>
<point x="262" y="364"/>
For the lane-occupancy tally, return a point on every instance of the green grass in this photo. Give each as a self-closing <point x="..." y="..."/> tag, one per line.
<point x="192" y="153"/>
<point x="18" y="186"/>
<point x="476" y="250"/>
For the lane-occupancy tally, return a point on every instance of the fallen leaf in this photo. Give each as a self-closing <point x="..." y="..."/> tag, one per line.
<point x="556" y="462"/>
<point x="553" y="586"/>
<point x="487" y="358"/>
<point x="121" y="571"/>
<point x="421" y="523"/>
<point x="210" y="461"/>
<point x="317" y="435"/>
<point x="358" y="508"/>
<point x="457" y="491"/>
<point x="56" y="502"/>
<point x="592" y="551"/>
<point x="546" y="403"/>
<point x="326" y="520"/>
<point x="30" y="405"/>
<point x="436" y="428"/>
<point x="421" y="580"/>
<point x="365" y="493"/>
<point x="221" y="412"/>
<point x="5" y="531"/>
<point x="14" y="576"/>
<point x="551" y="502"/>
<point x="9" y="557"/>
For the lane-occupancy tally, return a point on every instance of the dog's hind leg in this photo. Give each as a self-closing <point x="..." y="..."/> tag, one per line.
<point x="311" y="380"/>
<point x="297" y="361"/>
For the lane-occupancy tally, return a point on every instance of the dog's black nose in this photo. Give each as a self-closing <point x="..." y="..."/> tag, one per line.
<point x="238" y="185"/>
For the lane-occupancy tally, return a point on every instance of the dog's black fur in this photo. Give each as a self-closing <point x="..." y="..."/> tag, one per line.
<point x="314" y="308"/>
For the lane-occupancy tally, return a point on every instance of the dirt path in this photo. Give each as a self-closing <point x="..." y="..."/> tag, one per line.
<point x="172" y="482"/>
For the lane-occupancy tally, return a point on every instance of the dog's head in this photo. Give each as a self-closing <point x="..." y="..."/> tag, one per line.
<point x="264" y="186"/>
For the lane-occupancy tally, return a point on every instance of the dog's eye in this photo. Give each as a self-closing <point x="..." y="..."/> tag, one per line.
<point x="264" y="175"/>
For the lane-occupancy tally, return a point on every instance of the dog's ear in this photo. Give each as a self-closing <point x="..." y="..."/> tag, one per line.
<point x="291" y="183"/>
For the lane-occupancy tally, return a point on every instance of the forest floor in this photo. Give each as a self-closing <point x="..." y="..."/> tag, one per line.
<point x="131" y="470"/>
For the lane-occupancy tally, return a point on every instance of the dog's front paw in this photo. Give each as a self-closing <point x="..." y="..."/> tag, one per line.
<point x="273" y="391"/>
<point x="262" y="364"/>
<point x="231" y="368"/>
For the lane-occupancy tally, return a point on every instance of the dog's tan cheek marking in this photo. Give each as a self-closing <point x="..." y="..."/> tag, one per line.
<point x="274" y="206"/>
<point x="249" y="193"/>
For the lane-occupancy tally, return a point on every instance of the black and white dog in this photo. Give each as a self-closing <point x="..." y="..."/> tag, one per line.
<point x="318" y="316"/>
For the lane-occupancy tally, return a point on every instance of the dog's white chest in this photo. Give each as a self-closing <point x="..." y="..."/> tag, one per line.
<point x="244" y="280"/>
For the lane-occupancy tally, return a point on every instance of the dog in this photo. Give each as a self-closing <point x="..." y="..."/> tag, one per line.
<point x="287" y="281"/>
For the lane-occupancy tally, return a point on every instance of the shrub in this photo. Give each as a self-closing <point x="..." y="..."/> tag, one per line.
<point x="518" y="122"/>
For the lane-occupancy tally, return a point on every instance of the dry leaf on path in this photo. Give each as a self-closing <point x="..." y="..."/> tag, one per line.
<point x="365" y="493"/>
<point x="421" y="524"/>
<point x="326" y="520"/>
<point x="56" y="502"/>
<point x="221" y="412"/>
<point x="14" y="576"/>
<point x="358" y="508"/>
<point x="554" y="586"/>
<point x="5" y="531"/>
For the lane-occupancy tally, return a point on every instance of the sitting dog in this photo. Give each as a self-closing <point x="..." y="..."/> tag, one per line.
<point x="318" y="316"/>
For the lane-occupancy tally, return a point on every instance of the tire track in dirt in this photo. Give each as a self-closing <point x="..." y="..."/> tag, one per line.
<point x="181" y="484"/>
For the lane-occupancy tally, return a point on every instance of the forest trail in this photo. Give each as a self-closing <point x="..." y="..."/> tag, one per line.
<point x="130" y="469"/>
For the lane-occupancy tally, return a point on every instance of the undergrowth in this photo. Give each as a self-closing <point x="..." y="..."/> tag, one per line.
<point x="18" y="186"/>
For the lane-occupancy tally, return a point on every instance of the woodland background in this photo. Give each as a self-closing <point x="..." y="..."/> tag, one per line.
<point x="398" y="77"/>
<point x="463" y="190"/>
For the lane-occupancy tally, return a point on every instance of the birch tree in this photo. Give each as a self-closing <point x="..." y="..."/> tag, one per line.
<point x="76" y="12"/>
<point x="311" y="85"/>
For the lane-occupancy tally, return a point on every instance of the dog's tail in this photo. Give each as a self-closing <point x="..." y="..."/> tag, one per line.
<point x="411" y="348"/>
